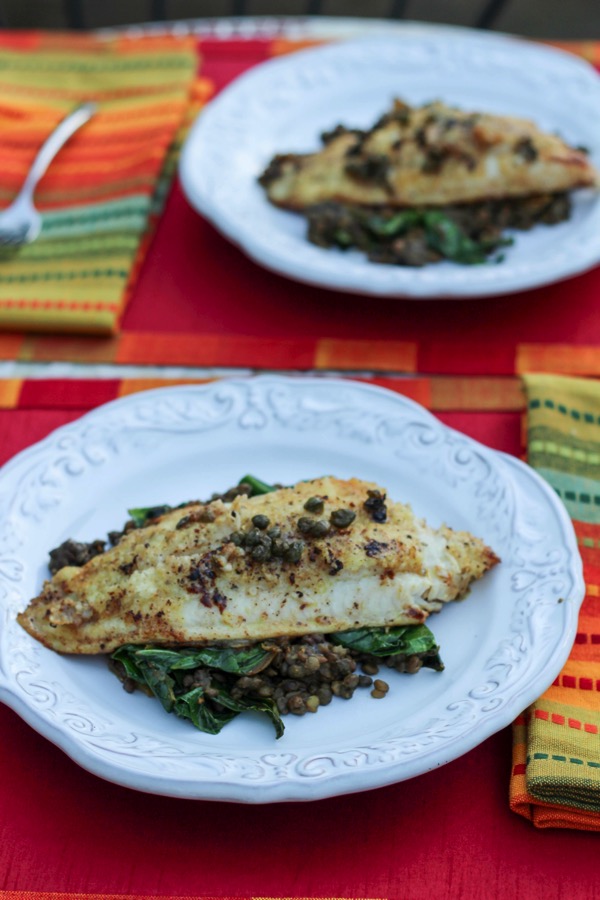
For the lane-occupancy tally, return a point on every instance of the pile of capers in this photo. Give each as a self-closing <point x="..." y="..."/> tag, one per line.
<point x="262" y="542"/>
<point x="319" y="528"/>
<point x="375" y="506"/>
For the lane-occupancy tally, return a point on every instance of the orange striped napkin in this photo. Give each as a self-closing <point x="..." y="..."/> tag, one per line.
<point x="556" y="743"/>
<point x="103" y="191"/>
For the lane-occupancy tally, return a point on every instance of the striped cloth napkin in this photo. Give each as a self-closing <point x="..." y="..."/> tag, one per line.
<point x="556" y="742"/>
<point x="101" y="195"/>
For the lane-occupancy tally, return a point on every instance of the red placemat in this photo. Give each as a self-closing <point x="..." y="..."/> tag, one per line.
<point x="488" y="409"/>
<point x="200" y="301"/>
<point x="448" y="833"/>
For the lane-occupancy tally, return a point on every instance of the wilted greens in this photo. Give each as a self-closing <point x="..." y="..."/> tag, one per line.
<point x="209" y="705"/>
<point x="400" y="640"/>
<point x="408" y="237"/>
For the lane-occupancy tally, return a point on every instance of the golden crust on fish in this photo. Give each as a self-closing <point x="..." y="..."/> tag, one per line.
<point x="183" y="580"/>
<point x="430" y="156"/>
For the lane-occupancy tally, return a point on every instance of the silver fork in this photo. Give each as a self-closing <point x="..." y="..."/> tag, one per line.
<point x="21" y="223"/>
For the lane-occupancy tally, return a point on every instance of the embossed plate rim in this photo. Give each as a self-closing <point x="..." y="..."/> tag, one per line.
<point x="273" y="241"/>
<point x="415" y="424"/>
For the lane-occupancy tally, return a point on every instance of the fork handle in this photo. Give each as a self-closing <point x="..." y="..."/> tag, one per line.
<point x="61" y="134"/>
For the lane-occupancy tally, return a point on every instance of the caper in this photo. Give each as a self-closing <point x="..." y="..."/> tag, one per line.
<point x="305" y="524"/>
<point x="314" y="505"/>
<point x="237" y="538"/>
<point x="341" y="518"/>
<point x="294" y="551"/>
<point x="277" y="548"/>
<point x="261" y="522"/>
<point x="253" y="537"/>
<point x="274" y="532"/>
<point x="320" y="528"/>
<point x="375" y="506"/>
<point x="261" y="552"/>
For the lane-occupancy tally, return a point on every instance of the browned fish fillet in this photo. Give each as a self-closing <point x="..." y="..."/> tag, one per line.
<point x="430" y="156"/>
<point x="216" y="572"/>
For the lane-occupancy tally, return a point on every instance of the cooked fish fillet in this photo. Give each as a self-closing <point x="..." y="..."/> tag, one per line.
<point x="183" y="580"/>
<point x="430" y="156"/>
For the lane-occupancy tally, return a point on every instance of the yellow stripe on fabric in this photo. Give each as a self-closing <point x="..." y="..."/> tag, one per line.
<point x="569" y="405"/>
<point x="65" y="269"/>
<point x="36" y="106"/>
<point x="78" y="291"/>
<point x="142" y="68"/>
<point x="76" y="319"/>
<point x="564" y="450"/>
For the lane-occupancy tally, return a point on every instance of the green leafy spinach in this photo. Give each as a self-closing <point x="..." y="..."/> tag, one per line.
<point x="209" y="706"/>
<point x="399" y="640"/>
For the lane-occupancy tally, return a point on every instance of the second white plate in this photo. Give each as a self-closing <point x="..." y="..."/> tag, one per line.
<point x="283" y="106"/>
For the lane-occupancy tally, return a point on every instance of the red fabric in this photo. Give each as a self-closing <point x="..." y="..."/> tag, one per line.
<point x="72" y="394"/>
<point x="446" y="834"/>
<point x="209" y="286"/>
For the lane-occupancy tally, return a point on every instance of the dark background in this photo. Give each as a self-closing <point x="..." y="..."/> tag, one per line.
<point x="553" y="19"/>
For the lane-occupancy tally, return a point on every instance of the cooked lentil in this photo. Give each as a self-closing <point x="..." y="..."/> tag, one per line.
<point x="304" y="674"/>
<point x="74" y="553"/>
<point x="466" y="233"/>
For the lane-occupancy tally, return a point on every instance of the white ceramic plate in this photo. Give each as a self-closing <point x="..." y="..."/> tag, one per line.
<point x="502" y="646"/>
<point x="284" y="104"/>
